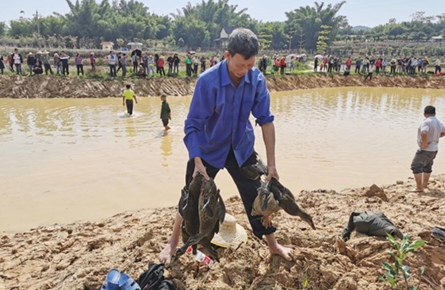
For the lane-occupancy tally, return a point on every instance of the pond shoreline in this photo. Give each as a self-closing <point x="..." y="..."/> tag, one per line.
<point x="21" y="87"/>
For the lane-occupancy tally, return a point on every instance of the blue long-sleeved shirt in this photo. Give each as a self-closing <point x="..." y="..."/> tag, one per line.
<point x="219" y="113"/>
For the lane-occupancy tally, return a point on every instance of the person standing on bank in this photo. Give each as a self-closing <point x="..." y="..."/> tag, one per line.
<point x="218" y="133"/>
<point x="165" y="112"/>
<point x="428" y="136"/>
<point x="127" y="99"/>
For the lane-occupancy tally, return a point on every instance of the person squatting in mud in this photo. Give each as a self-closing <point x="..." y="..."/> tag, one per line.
<point x="218" y="133"/>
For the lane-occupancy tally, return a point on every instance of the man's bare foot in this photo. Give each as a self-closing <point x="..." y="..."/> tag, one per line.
<point x="166" y="255"/>
<point x="167" y="128"/>
<point x="282" y="251"/>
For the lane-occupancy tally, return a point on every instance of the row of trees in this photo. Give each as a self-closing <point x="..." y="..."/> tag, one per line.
<point x="308" y="27"/>
<point x="194" y="26"/>
<point x="419" y="28"/>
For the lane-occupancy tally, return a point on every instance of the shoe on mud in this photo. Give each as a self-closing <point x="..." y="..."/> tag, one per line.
<point x="439" y="234"/>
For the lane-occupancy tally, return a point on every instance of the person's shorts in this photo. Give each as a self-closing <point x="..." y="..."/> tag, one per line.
<point x="165" y="122"/>
<point x="423" y="161"/>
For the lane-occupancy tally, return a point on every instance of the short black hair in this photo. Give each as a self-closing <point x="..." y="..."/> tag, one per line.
<point x="243" y="41"/>
<point x="128" y="86"/>
<point x="429" y="110"/>
<point x="163" y="96"/>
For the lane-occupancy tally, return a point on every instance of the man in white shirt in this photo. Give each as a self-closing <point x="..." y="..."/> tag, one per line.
<point x="428" y="136"/>
<point x="18" y="60"/>
<point x="195" y="62"/>
<point x="438" y="68"/>
<point x="112" y="60"/>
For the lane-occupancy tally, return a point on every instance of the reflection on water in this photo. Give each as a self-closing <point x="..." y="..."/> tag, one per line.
<point x="84" y="153"/>
<point x="166" y="147"/>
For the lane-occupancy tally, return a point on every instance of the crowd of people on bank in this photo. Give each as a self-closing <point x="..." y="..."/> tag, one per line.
<point x="148" y="65"/>
<point x="379" y="65"/>
<point x="143" y="64"/>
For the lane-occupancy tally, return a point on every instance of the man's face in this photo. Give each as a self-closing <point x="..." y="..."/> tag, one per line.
<point x="238" y="66"/>
<point x="162" y="99"/>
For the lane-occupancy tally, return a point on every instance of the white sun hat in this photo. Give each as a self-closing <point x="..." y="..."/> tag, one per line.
<point x="230" y="233"/>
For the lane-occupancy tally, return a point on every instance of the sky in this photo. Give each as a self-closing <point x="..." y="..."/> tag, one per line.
<point x="359" y="12"/>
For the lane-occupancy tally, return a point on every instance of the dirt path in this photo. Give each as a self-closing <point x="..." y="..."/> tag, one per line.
<point x="72" y="87"/>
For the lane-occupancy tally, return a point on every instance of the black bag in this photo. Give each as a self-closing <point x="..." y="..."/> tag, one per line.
<point x="153" y="279"/>
<point x="371" y="224"/>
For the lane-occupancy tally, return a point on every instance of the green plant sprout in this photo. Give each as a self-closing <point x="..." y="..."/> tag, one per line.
<point x="392" y="271"/>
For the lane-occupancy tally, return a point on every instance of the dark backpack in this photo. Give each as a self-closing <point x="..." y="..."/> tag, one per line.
<point x="153" y="279"/>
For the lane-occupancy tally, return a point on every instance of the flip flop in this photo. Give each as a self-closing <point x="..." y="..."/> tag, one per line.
<point x="415" y="190"/>
<point x="112" y="280"/>
<point x="127" y="283"/>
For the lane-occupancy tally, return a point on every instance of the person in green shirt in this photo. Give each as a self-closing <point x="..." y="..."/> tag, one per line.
<point x="188" y="65"/>
<point x="127" y="99"/>
<point x="165" y="112"/>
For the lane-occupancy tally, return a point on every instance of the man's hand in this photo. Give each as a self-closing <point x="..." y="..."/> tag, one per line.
<point x="199" y="167"/>
<point x="123" y="104"/>
<point x="272" y="173"/>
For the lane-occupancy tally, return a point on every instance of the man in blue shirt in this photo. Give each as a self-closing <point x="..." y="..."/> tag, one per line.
<point x="218" y="133"/>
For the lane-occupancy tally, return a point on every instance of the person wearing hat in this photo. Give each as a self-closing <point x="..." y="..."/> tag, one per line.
<point x="428" y="134"/>
<point x="31" y="62"/>
<point x="218" y="133"/>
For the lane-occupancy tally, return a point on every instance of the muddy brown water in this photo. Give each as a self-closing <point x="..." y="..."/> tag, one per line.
<point x="64" y="160"/>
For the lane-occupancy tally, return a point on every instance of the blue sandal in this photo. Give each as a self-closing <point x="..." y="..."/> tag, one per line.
<point x="112" y="280"/>
<point x="127" y="283"/>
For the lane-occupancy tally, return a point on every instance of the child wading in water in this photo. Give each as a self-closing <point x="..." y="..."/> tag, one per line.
<point x="165" y="112"/>
<point x="127" y="99"/>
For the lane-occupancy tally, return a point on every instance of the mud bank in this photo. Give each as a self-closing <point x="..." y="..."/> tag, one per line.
<point x="73" y="87"/>
<point x="79" y="255"/>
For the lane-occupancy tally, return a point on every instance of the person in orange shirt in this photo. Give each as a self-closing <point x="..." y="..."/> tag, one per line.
<point x="161" y="63"/>
<point x="282" y="65"/>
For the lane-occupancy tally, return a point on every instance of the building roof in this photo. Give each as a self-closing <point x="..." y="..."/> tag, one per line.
<point x="229" y="29"/>
<point x="106" y="43"/>
<point x="437" y="37"/>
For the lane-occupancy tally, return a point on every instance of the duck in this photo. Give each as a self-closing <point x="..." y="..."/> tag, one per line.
<point x="272" y="197"/>
<point x="208" y="216"/>
<point x="188" y="209"/>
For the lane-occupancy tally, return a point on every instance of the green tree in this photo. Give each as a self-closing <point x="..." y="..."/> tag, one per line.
<point x="2" y="28"/>
<point x="323" y="38"/>
<point x="310" y="19"/>
<point x="192" y="31"/>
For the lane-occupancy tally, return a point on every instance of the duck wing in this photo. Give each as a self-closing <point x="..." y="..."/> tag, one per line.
<point x="222" y="208"/>
<point x="254" y="171"/>
<point x="183" y="201"/>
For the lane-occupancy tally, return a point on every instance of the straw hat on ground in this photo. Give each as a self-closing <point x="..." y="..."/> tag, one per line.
<point x="230" y="233"/>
